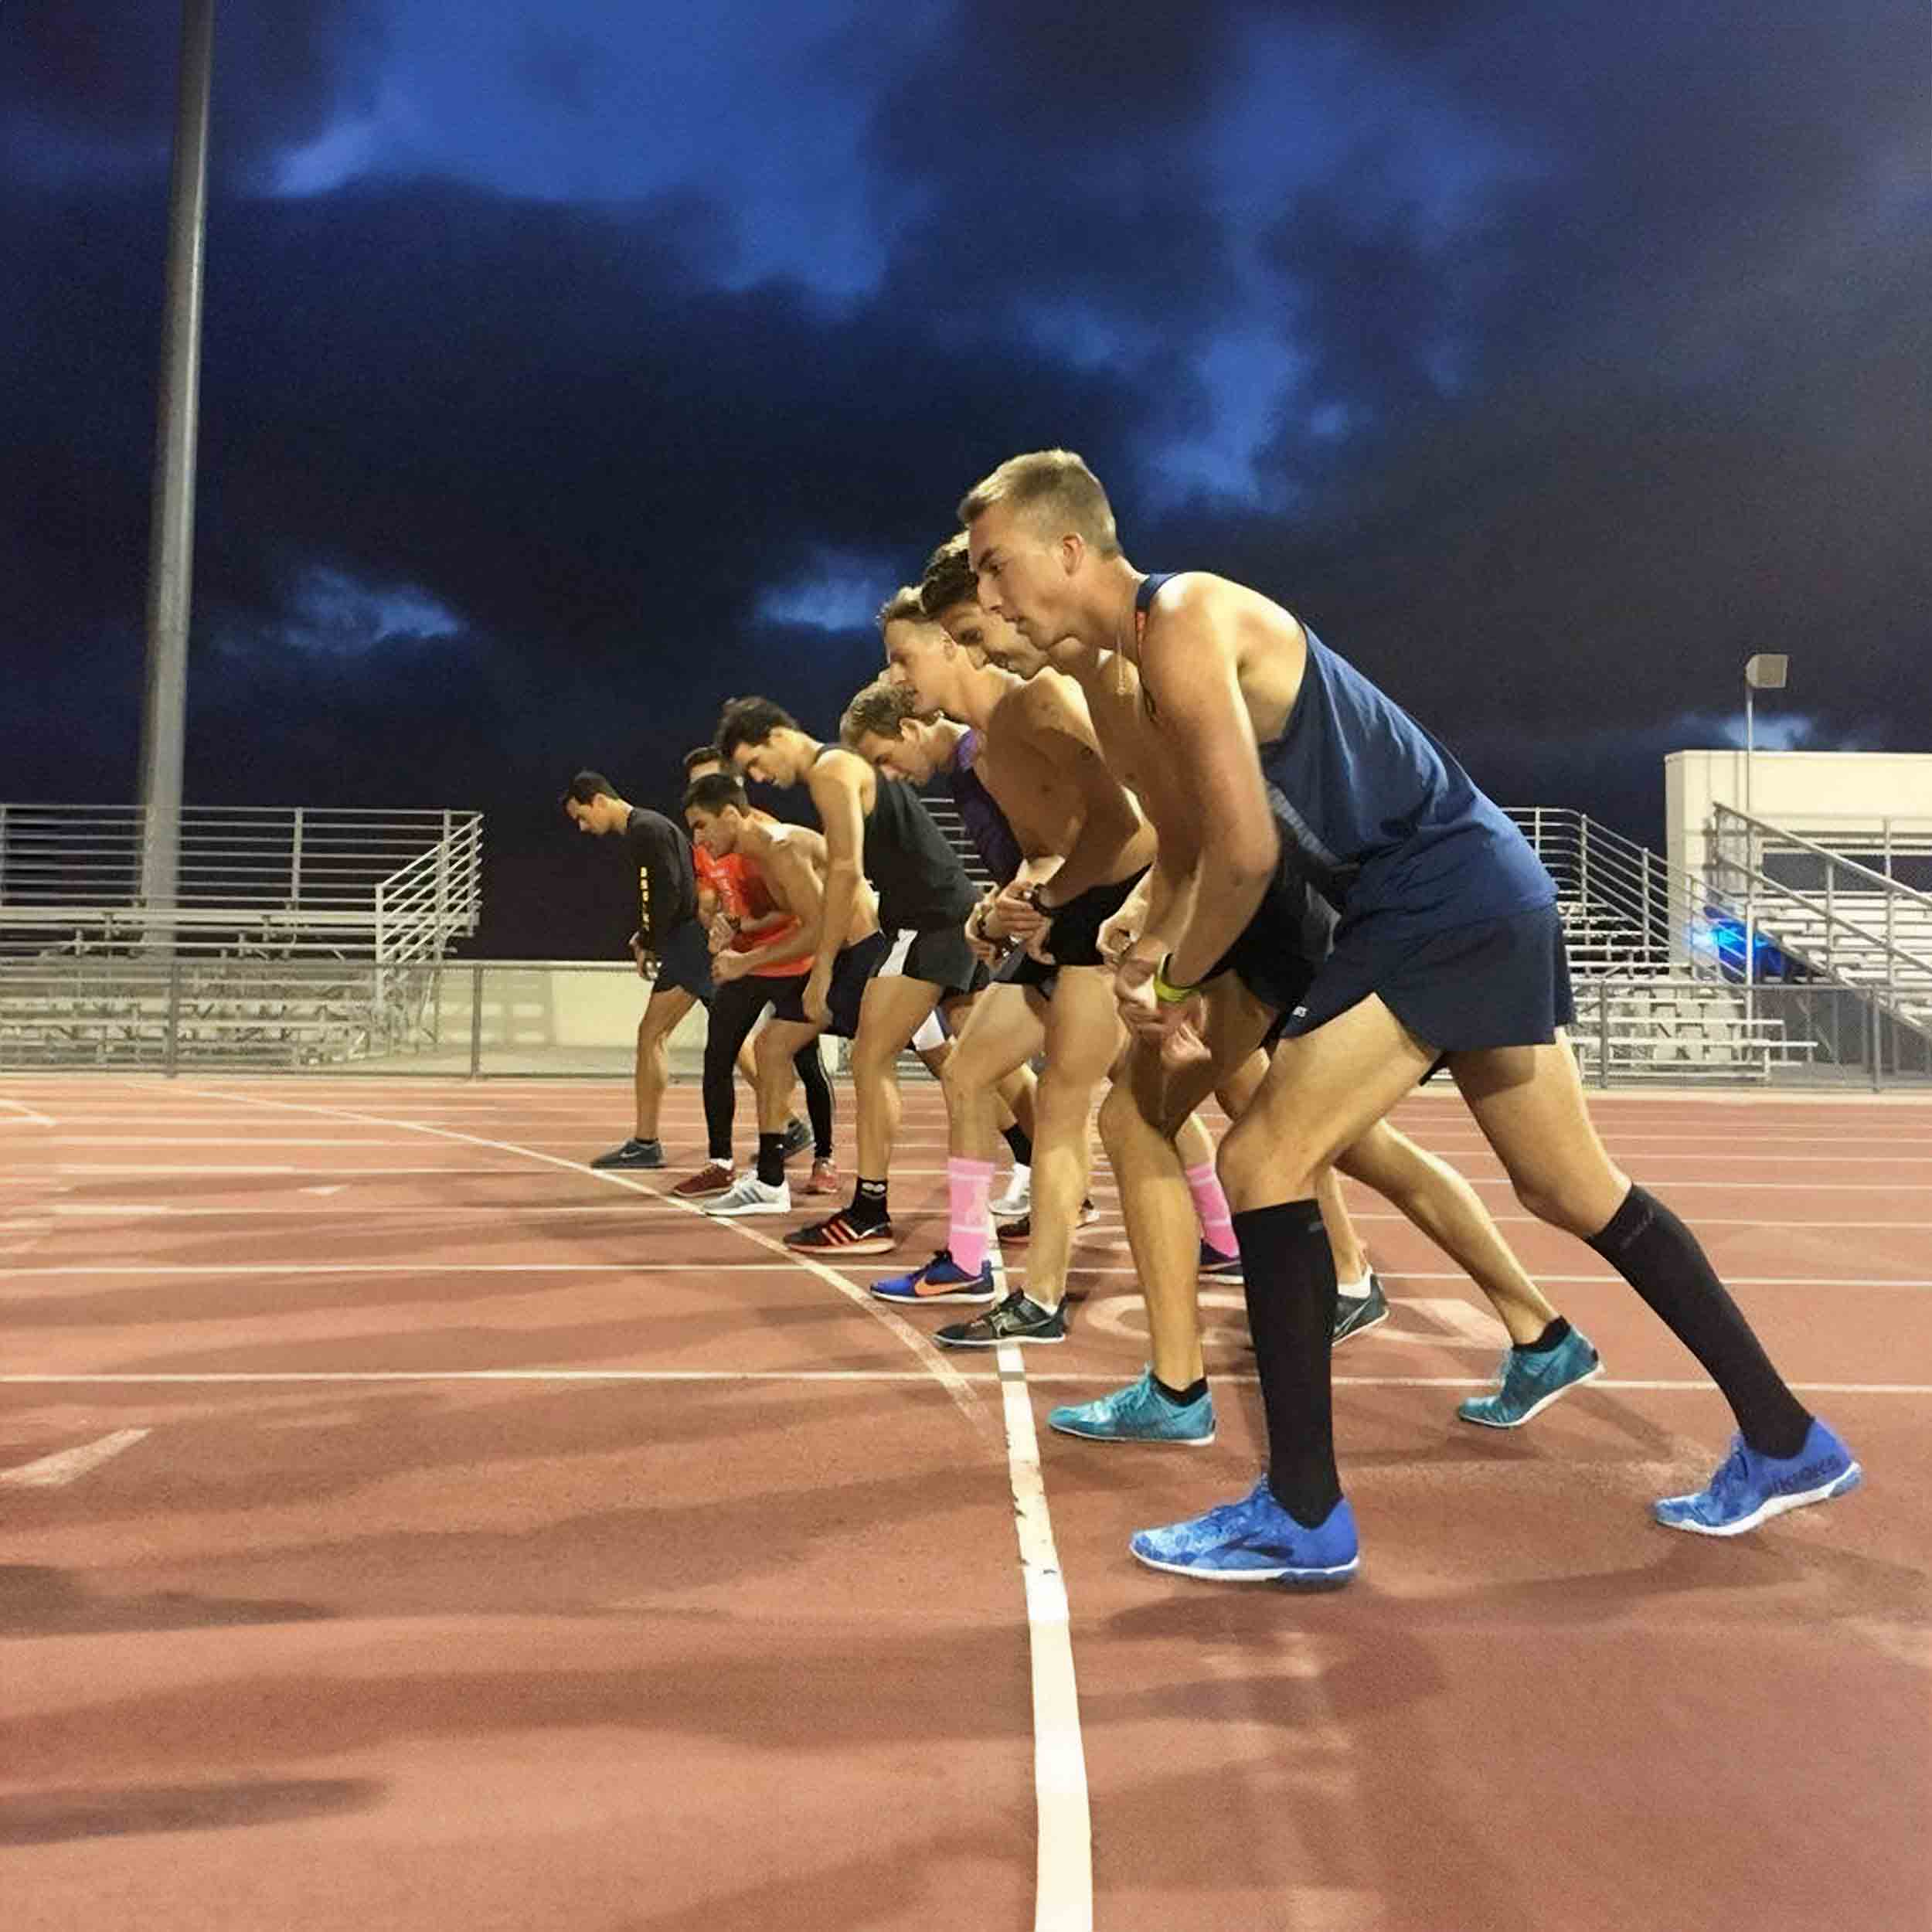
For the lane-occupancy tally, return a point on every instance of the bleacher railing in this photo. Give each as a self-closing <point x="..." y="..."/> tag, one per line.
<point x="295" y="881"/>
<point x="1845" y="919"/>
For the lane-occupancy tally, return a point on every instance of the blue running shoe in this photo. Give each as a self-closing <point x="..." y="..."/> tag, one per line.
<point x="1217" y="1267"/>
<point x="1139" y="1413"/>
<point x="1530" y="1383"/>
<point x="1255" y="1540"/>
<point x="1748" y="1488"/>
<point x="942" y="1279"/>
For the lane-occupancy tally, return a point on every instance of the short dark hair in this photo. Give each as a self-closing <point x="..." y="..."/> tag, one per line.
<point x="714" y="791"/>
<point x="751" y="721"/>
<point x="587" y="785"/>
<point x="948" y="579"/>
<point x="702" y="755"/>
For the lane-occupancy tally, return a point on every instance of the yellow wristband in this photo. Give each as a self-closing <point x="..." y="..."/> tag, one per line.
<point x="1166" y="991"/>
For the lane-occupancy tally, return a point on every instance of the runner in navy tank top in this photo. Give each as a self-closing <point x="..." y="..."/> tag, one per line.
<point x="1448" y="947"/>
<point x="1161" y="1168"/>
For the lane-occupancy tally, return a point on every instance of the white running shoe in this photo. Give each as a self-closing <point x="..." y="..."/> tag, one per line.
<point x="748" y="1195"/>
<point x="1018" y="1197"/>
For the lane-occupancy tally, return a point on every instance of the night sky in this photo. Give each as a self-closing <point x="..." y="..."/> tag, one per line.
<point x="570" y="368"/>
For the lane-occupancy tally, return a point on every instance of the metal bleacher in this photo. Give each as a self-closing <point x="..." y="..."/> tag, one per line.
<point x="295" y="936"/>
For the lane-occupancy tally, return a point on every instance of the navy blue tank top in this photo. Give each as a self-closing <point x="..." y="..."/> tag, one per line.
<point x="1385" y="822"/>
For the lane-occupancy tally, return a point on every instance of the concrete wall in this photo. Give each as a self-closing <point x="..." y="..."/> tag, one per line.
<point x="1790" y="788"/>
<point x="556" y="1017"/>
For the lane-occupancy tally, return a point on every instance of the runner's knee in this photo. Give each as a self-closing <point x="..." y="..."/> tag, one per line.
<point x="1563" y="1201"/>
<point x="1121" y="1122"/>
<point x="1259" y="1166"/>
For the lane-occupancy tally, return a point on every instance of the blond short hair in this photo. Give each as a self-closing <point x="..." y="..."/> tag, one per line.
<point x="1054" y="484"/>
<point x="903" y="605"/>
<point x="878" y="711"/>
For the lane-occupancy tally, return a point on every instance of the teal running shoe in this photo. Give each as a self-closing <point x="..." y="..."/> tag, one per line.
<point x="1139" y="1413"/>
<point x="1530" y="1383"/>
<point x="1256" y="1541"/>
<point x="1748" y="1489"/>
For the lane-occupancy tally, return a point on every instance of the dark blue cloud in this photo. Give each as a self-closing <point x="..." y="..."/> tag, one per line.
<point x="566" y="373"/>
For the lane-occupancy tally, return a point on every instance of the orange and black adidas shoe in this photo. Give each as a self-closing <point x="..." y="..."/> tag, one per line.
<point x="841" y="1235"/>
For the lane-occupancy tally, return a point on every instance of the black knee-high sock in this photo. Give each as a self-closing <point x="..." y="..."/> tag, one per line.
<point x="1289" y="1274"/>
<point x="771" y="1159"/>
<point x="811" y="1076"/>
<point x="1660" y="1258"/>
<point x="1016" y="1140"/>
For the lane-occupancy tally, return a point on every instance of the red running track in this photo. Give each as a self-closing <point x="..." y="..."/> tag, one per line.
<point x="404" y="1527"/>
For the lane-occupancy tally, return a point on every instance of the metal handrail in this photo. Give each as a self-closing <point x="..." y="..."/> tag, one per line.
<point x="298" y="880"/>
<point x="290" y="855"/>
<point x="1609" y="872"/>
<point x="1786" y="841"/>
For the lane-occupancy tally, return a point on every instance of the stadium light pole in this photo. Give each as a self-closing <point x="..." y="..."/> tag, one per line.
<point x="1763" y="671"/>
<point x="171" y="527"/>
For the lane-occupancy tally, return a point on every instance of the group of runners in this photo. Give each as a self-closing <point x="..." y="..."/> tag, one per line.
<point x="1225" y="865"/>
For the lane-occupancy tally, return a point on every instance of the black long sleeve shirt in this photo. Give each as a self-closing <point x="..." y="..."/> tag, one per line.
<point x="660" y="855"/>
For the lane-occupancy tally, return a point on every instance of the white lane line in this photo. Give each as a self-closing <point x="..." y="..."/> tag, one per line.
<point x="1102" y="1190"/>
<point x="901" y="1330"/>
<point x="69" y="1465"/>
<point x="911" y="1378"/>
<point x="1394" y="1277"/>
<point x="534" y="1210"/>
<point x="1063" y="1861"/>
<point x="1470" y="1326"/>
<point x="144" y="1137"/>
<point x="109" y="1167"/>
<point x="222" y="1140"/>
<point x="1063" y="1836"/>
<point x="1125" y="1316"/>
<point x="26" y="1116"/>
<point x="1441" y="1139"/>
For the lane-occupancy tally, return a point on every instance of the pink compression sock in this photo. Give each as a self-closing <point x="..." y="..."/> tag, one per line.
<point x="1211" y="1207"/>
<point x="968" y="1185"/>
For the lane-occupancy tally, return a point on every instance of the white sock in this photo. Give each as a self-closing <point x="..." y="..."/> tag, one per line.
<point x="1356" y="1290"/>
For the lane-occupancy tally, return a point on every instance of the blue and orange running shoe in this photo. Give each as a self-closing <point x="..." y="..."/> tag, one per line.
<point x="942" y="1279"/>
